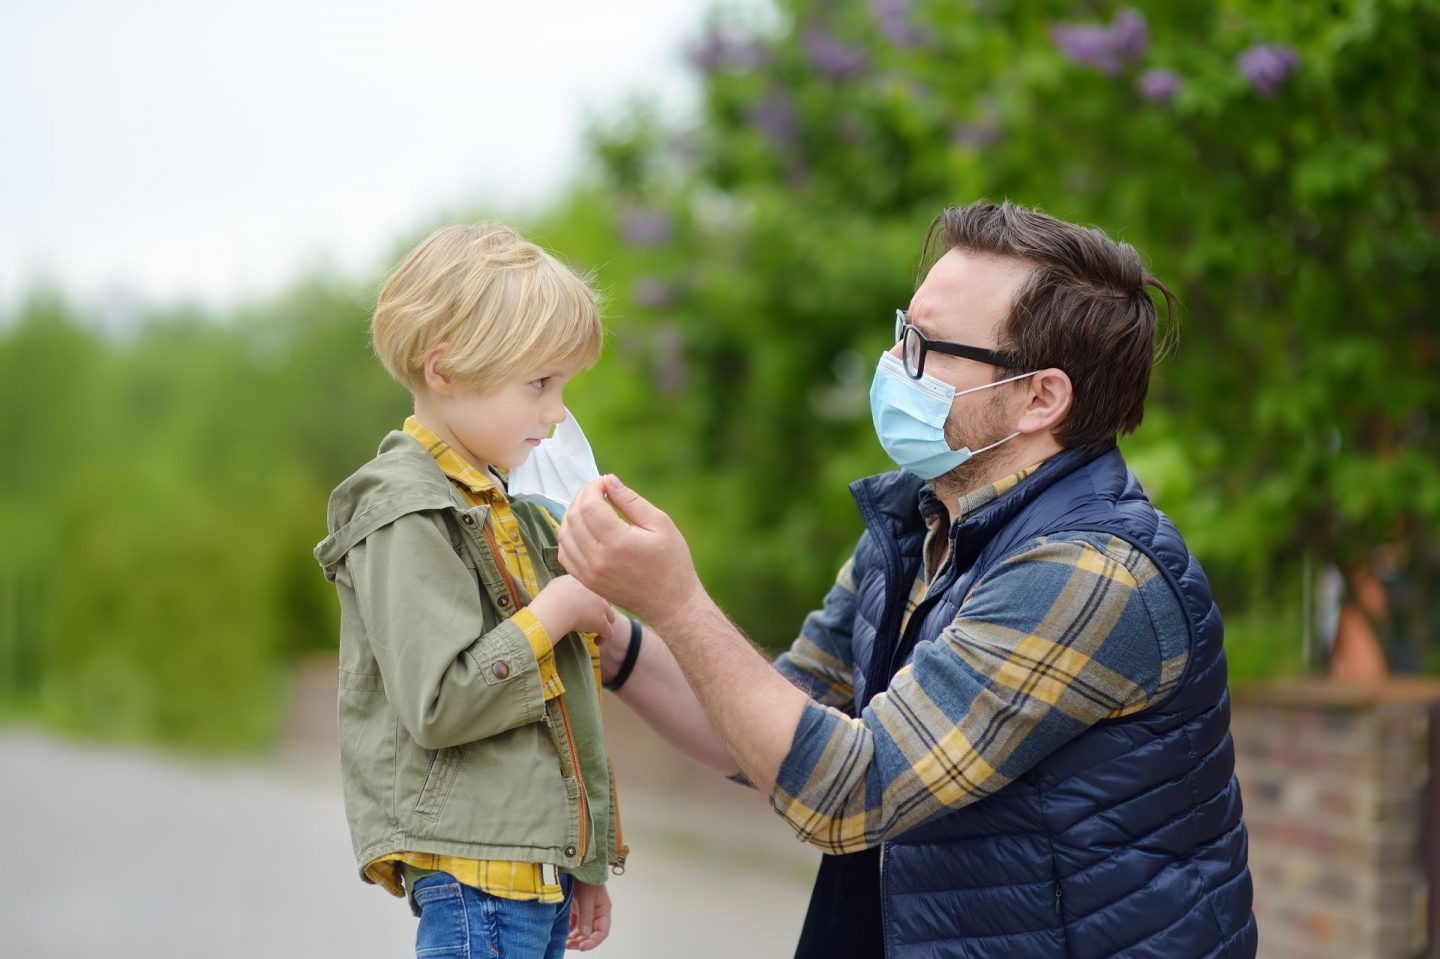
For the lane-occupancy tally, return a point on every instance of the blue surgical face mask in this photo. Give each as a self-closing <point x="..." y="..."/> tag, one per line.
<point x="910" y="417"/>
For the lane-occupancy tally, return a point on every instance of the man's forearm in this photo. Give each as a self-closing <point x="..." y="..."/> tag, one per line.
<point x="658" y="693"/>
<point x="754" y="709"/>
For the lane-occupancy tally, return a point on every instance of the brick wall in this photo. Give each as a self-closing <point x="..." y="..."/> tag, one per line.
<point x="1342" y="816"/>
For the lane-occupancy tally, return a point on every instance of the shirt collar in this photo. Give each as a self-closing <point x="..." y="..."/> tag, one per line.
<point x="931" y="507"/>
<point x="451" y="463"/>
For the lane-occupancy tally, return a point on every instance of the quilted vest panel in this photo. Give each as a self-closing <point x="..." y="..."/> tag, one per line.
<point x="1129" y="840"/>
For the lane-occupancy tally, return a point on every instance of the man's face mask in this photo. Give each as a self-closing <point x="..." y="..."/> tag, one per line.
<point x="910" y="414"/>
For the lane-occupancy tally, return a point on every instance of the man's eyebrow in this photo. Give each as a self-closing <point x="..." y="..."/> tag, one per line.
<point x="920" y="325"/>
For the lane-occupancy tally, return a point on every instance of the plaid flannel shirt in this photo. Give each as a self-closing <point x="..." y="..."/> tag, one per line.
<point x="1067" y="631"/>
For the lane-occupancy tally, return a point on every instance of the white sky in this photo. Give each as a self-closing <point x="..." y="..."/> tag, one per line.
<point x="174" y="147"/>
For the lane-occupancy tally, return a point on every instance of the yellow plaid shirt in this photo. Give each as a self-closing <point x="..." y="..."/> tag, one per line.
<point x="503" y="878"/>
<point x="1010" y="680"/>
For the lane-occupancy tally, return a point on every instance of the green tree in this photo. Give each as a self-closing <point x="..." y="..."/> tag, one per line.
<point x="1274" y="163"/>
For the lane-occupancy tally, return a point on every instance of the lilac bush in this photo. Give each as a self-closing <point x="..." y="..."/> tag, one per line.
<point x="1158" y="85"/>
<point x="1107" y="48"/>
<point x="1267" y="66"/>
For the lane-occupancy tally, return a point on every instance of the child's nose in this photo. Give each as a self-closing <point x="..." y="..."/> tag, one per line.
<point x="555" y="414"/>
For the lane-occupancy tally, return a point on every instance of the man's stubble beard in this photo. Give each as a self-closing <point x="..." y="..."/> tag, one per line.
<point x="988" y="426"/>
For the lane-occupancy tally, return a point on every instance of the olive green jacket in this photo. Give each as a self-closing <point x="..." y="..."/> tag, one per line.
<point x="447" y="744"/>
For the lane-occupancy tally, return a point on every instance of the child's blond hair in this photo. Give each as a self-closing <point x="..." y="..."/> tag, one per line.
<point x="502" y="307"/>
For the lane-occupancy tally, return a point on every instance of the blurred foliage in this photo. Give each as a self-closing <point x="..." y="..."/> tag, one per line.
<point x="162" y="484"/>
<point x="1274" y="163"/>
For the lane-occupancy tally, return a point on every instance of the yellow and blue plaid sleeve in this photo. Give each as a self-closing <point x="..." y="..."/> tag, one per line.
<point x="1072" y="630"/>
<point x="819" y="661"/>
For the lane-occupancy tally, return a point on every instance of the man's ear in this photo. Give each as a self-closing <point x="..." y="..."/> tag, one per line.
<point x="435" y="381"/>
<point x="1050" y="397"/>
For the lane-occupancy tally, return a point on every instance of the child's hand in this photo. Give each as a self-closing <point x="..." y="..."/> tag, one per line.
<point x="589" y="917"/>
<point x="565" y="606"/>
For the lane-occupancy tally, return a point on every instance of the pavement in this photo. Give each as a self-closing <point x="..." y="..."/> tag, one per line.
<point x="122" y="851"/>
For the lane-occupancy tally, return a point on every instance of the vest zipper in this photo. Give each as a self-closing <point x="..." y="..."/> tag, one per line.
<point x="559" y="700"/>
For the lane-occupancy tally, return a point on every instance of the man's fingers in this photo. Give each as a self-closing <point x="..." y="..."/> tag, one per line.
<point x="634" y="507"/>
<point x="593" y="491"/>
<point x="578" y="542"/>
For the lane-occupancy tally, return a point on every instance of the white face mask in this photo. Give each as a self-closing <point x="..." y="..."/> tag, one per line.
<point x="910" y="416"/>
<point x="555" y="470"/>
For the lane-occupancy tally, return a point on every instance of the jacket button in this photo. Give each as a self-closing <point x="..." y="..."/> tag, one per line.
<point x="570" y="852"/>
<point x="468" y="520"/>
<point x="501" y="669"/>
<point x="502" y="601"/>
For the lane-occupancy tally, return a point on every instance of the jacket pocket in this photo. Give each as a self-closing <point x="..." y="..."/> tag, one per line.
<point x="438" y="781"/>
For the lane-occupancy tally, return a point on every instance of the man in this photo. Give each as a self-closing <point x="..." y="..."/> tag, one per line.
<point x="1008" y="725"/>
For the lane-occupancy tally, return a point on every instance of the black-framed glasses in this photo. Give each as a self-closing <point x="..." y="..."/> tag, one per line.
<point x="916" y="346"/>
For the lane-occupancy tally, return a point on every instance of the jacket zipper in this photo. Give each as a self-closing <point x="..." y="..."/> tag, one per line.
<point x="559" y="700"/>
<point x="510" y="586"/>
<point x="579" y="779"/>
<point x="622" y="851"/>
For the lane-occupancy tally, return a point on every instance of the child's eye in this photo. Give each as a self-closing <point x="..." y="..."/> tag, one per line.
<point x="539" y="384"/>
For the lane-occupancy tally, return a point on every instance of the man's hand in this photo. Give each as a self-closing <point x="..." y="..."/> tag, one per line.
<point x="589" y="917"/>
<point x="565" y="605"/>
<point x="643" y="565"/>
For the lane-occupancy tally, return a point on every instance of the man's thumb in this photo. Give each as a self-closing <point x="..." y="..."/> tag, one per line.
<point x="634" y="507"/>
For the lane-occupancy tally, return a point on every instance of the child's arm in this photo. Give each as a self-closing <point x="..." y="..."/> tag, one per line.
<point x="566" y="605"/>
<point x="449" y="683"/>
<point x="589" y="917"/>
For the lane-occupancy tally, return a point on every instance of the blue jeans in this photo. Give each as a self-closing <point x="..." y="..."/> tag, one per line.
<point x="459" y="922"/>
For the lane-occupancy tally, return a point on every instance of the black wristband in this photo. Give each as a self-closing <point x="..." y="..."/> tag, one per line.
<point x="632" y="653"/>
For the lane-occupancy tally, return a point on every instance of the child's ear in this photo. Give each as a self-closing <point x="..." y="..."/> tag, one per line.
<point x="435" y="381"/>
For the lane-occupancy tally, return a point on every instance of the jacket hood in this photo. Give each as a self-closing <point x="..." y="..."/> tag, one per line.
<point x="401" y="479"/>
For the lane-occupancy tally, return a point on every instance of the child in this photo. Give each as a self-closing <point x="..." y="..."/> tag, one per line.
<point x="471" y="750"/>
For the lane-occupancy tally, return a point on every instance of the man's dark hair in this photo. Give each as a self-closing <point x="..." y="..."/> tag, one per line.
<point x="1084" y="308"/>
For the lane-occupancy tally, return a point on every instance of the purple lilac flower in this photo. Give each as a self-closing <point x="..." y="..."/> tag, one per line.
<point x="1106" y="48"/>
<point x="984" y="130"/>
<point x="718" y="51"/>
<point x="1130" y="34"/>
<point x="651" y="292"/>
<point x="1267" y="66"/>
<point x="1159" y="85"/>
<point x="670" y="370"/>
<point x="645" y="227"/>
<point x="833" y="58"/>
<point x="775" y="118"/>
<point x="894" y="17"/>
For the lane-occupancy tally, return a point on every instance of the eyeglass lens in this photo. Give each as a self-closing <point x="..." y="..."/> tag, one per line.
<point x="913" y="352"/>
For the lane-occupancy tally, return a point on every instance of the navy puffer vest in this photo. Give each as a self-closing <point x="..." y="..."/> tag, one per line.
<point x="1128" y="840"/>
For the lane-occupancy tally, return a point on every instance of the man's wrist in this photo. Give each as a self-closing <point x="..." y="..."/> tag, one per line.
<point x="687" y="609"/>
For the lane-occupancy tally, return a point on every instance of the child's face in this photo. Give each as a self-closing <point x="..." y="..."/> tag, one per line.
<point x="501" y="427"/>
